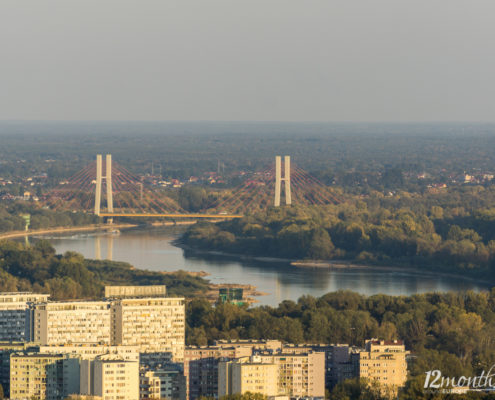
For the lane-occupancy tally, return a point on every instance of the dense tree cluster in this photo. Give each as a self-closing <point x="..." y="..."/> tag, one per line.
<point x="70" y="276"/>
<point x="41" y="218"/>
<point x="442" y="231"/>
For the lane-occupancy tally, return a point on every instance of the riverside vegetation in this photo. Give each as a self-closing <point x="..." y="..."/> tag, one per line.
<point x="41" y="218"/>
<point x="70" y="276"/>
<point x="443" y="231"/>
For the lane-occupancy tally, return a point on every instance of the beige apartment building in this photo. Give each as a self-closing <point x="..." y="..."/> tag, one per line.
<point x="201" y="367"/>
<point x="245" y="375"/>
<point x="384" y="362"/>
<point x="111" y="377"/>
<point x="42" y="376"/>
<point x="201" y="363"/>
<point x="152" y="324"/>
<point x="300" y="375"/>
<point x="292" y="375"/>
<point x="14" y="307"/>
<point x="63" y="322"/>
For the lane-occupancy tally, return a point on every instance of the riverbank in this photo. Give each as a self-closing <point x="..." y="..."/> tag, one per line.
<point x="337" y="265"/>
<point x="85" y="228"/>
<point x="172" y="223"/>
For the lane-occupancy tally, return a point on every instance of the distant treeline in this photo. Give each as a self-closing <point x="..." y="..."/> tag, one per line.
<point x="451" y="231"/>
<point x="358" y="156"/>
<point x="11" y="217"/>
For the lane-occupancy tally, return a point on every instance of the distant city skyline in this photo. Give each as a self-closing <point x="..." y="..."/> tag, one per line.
<point x="283" y="60"/>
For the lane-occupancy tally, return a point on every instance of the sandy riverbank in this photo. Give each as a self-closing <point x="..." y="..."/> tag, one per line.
<point x="86" y="228"/>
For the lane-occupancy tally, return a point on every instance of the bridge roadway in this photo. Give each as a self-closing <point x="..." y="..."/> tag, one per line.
<point x="223" y="216"/>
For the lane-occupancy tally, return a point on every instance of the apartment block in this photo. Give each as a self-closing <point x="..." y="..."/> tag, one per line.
<point x="338" y="363"/>
<point x="42" y="376"/>
<point x="274" y="374"/>
<point x="201" y="363"/>
<point x="246" y="375"/>
<point x="152" y="324"/>
<point x="384" y="362"/>
<point x="14" y="324"/>
<point x="300" y="375"/>
<point x="113" y="378"/>
<point x="6" y="349"/>
<point x="167" y="383"/>
<point x="59" y="323"/>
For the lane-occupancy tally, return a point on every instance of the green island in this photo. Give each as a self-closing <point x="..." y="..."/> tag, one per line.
<point x="449" y="231"/>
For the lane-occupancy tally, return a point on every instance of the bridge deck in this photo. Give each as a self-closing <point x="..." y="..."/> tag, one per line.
<point x="223" y="216"/>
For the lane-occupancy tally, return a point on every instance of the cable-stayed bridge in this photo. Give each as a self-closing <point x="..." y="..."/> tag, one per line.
<point x="109" y="190"/>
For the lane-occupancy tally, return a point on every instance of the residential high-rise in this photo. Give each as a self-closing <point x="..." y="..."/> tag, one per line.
<point x="245" y="375"/>
<point x="112" y="378"/>
<point x="42" y="376"/>
<point x="384" y="361"/>
<point x="201" y="368"/>
<point x="6" y="349"/>
<point x="14" y="324"/>
<point x="300" y="375"/>
<point x="64" y="322"/>
<point x="338" y="363"/>
<point x="166" y="383"/>
<point x="201" y="363"/>
<point x="153" y="324"/>
<point x="286" y="374"/>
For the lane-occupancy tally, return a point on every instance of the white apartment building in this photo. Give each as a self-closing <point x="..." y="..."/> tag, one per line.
<point x="152" y="324"/>
<point x="14" y="325"/>
<point x="63" y="322"/>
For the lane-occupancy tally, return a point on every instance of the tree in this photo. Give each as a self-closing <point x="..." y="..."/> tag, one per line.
<point x="192" y="198"/>
<point x="320" y="246"/>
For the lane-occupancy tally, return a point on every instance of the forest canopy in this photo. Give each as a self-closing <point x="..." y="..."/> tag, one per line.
<point x="448" y="231"/>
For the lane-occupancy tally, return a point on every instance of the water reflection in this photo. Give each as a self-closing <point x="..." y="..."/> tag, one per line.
<point x="109" y="246"/>
<point x="154" y="250"/>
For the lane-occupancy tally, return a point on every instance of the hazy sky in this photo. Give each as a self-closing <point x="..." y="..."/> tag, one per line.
<point x="282" y="60"/>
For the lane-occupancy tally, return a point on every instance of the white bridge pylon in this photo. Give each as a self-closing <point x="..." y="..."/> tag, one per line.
<point x="108" y="183"/>
<point x="279" y="180"/>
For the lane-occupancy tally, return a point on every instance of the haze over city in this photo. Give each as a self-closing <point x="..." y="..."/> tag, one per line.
<point x="279" y="60"/>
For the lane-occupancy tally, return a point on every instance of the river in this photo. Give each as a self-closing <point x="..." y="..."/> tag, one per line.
<point x="153" y="249"/>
